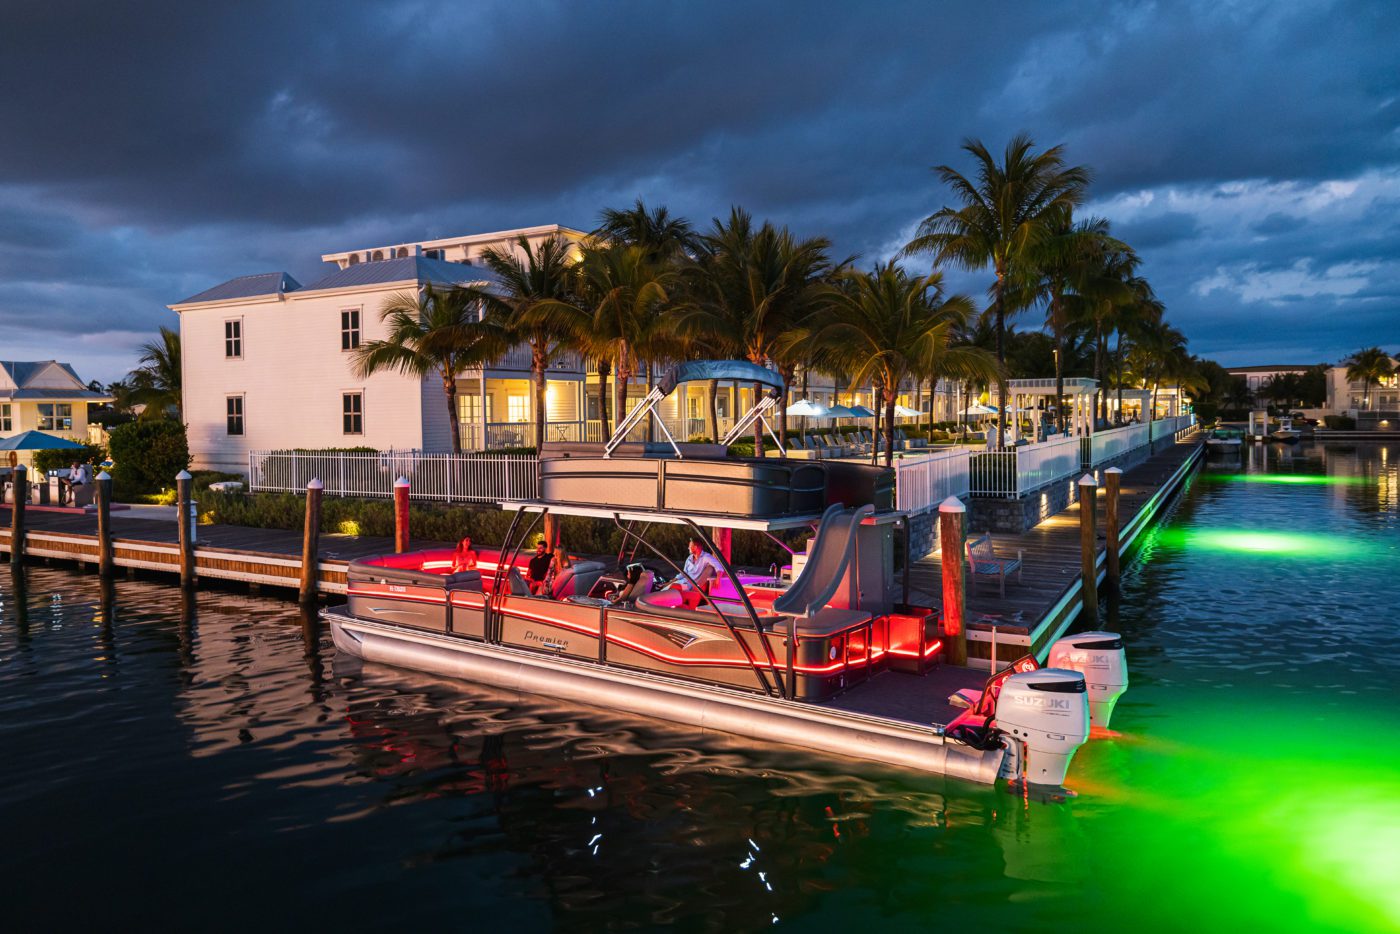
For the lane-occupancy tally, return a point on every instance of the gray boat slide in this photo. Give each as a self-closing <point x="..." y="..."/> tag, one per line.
<point x="826" y="565"/>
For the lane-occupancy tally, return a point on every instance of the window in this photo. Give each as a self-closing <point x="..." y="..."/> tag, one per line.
<point x="349" y="328"/>
<point x="469" y="408"/>
<point x="233" y="338"/>
<point x="55" y="416"/>
<point x="235" y="415"/>
<point x="352" y="409"/>
<point x="6" y="418"/>
<point x="433" y="254"/>
<point x="518" y="408"/>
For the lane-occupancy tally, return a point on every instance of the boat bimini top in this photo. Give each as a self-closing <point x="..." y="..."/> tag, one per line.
<point x="693" y="370"/>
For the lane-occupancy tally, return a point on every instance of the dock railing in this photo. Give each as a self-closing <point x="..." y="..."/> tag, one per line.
<point x="451" y="478"/>
<point x="1177" y="425"/>
<point x="921" y="483"/>
<point x="1021" y="470"/>
<point x="1103" y="446"/>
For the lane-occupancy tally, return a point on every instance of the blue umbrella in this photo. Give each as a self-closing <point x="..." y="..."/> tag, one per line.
<point x="37" y="441"/>
<point x="860" y="411"/>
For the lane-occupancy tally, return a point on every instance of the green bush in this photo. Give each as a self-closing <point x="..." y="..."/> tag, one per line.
<point x="487" y="526"/>
<point x="148" y="453"/>
<point x="61" y="458"/>
<point x="1340" y="422"/>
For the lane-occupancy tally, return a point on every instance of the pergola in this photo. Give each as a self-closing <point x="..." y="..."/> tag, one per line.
<point x="1037" y="396"/>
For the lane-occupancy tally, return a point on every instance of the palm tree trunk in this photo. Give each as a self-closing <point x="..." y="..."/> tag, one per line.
<point x="1001" y="363"/>
<point x="603" y="367"/>
<point x="787" y="372"/>
<point x="538" y="363"/>
<point x="758" y="390"/>
<point x="651" y="416"/>
<point x="805" y="371"/>
<point x="621" y="377"/>
<point x="449" y="389"/>
<point x="889" y="428"/>
<point x="712" y="402"/>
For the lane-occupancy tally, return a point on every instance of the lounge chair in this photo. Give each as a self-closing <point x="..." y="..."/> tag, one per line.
<point x="984" y="563"/>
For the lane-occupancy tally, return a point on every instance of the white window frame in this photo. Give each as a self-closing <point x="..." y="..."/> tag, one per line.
<point x="344" y="413"/>
<point x="357" y="330"/>
<point x="241" y="415"/>
<point x="522" y="403"/>
<point x="234" y="342"/>
<point x="51" y="422"/>
<point x="7" y="418"/>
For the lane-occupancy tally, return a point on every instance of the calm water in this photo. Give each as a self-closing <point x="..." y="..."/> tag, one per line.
<point x="215" y="766"/>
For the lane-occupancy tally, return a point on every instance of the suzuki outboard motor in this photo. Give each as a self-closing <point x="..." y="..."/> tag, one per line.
<point x="1047" y="712"/>
<point x="1099" y="656"/>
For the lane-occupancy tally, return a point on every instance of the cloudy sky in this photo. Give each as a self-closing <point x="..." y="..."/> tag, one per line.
<point x="1250" y="151"/>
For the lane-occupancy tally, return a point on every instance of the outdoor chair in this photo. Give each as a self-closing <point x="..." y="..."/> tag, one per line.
<point x="982" y="560"/>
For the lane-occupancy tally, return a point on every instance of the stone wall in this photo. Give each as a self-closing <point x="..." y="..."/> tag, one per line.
<point x="1016" y="515"/>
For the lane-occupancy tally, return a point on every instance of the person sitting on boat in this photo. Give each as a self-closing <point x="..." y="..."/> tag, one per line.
<point x="632" y="588"/>
<point x="561" y="563"/>
<point x="464" y="558"/>
<point x="537" y="571"/>
<point x="700" y="569"/>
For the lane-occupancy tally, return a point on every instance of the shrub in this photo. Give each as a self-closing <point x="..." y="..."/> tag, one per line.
<point x="148" y="453"/>
<point x="442" y="523"/>
<point x="59" y="458"/>
<point x="1340" y="422"/>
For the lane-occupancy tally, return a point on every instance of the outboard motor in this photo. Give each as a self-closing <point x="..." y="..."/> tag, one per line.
<point x="1099" y="656"/>
<point x="1047" y="712"/>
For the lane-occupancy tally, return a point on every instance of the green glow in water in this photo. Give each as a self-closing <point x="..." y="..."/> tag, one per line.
<point x="1295" y="478"/>
<point x="1266" y="543"/>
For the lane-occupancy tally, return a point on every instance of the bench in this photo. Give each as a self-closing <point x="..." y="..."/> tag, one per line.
<point x="983" y="561"/>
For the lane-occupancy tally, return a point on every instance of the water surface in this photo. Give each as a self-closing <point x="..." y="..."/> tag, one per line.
<point x="212" y="764"/>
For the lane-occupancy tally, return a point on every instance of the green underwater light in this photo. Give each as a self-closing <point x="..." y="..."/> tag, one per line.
<point x="1307" y="479"/>
<point x="1265" y="543"/>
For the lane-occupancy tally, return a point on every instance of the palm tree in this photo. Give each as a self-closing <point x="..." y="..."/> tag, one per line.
<point x="1368" y="366"/>
<point x="534" y="275"/>
<point x="886" y="327"/>
<point x="663" y="236"/>
<point x="613" y="309"/>
<point x="434" y="332"/>
<point x="156" y="382"/>
<point x="1004" y="218"/>
<point x="747" y="288"/>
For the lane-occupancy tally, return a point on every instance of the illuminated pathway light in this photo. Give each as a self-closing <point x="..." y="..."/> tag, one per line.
<point x="1261" y="542"/>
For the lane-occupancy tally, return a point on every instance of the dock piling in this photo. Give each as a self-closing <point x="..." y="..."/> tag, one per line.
<point x="401" y="515"/>
<point x="311" y="540"/>
<point x="1113" y="478"/>
<point x="105" y="562"/>
<point x="185" y="522"/>
<point x="951" y="513"/>
<point x="1089" y="546"/>
<point x="21" y="494"/>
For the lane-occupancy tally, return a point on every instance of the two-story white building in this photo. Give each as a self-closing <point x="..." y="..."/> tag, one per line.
<point x="47" y="396"/>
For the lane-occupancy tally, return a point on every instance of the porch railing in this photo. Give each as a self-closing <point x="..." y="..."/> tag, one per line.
<point x="921" y="483"/>
<point x="464" y="478"/>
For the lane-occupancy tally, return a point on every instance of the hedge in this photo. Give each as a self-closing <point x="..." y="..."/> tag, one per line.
<point x="147" y="455"/>
<point x="486" y="525"/>
<point x="60" y="458"/>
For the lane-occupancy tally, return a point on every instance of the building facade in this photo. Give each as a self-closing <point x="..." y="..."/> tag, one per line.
<point x="47" y="396"/>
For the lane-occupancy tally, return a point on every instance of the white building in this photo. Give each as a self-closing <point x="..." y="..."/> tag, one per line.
<point x="268" y="366"/>
<point x="1370" y="407"/>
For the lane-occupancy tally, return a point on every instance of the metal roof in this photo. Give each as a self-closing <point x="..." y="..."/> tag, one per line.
<point x="23" y="372"/>
<point x="402" y="269"/>
<point x="266" y="283"/>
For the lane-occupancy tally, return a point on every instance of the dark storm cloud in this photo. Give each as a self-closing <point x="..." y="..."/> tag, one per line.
<point x="153" y="149"/>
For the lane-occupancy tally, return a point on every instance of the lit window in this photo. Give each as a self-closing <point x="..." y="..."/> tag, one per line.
<point x="518" y="408"/>
<point x="55" y="416"/>
<point x="352" y="407"/>
<point x="349" y="328"/>
<point x="235" y="415"/>
<point x="233" y="338"/>
<point x="6" y="418"/>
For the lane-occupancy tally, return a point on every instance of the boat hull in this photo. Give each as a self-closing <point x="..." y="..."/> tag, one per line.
<point x="708" y="707"/>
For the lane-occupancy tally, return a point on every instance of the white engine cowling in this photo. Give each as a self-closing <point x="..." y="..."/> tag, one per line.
<point x="1099" y="656"/>
<point x="1047" y="711"/>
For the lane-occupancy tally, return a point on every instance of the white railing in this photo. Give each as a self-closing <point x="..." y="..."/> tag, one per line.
<point x="1177" y="426"/>
<point x="921" y="483"/>
<point x="466" y="478"/>
<point x="1021" y="470"/>
<point x="1106" y="445"/>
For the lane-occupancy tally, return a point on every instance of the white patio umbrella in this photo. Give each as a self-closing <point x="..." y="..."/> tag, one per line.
<point x="978" y="408"/>
<point x="805" y="409"/>
<point x="903" y="411"/>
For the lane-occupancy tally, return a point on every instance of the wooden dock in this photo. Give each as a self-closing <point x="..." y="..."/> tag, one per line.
<point x="1039" y="609"/>
<point x="1031" y="615"/>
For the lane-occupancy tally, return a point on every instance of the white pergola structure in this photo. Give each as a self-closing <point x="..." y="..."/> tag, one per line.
<point x="1036" y="397"/>
<point x="1135" y="402"/>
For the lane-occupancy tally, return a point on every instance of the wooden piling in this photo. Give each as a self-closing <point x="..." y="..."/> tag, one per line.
<point x="21" y="494"/>
<point x="1089" y="546"/>
<point x="185" y="522"/>
<point x="401" y="515"/>
<point x="105" y="563"/>
<point x="1113" y="478"/>
<point x="951" y="513"/>
<point x="311" y="540"/>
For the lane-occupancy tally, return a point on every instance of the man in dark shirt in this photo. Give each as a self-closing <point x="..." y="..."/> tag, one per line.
<point x="538" y="569"/>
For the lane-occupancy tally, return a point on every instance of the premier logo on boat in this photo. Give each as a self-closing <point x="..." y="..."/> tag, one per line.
<point x="548" y="641"/>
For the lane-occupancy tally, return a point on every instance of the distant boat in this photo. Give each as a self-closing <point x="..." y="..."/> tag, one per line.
<point x="1286" y="432"/>
<point x="1225" y="439"/>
